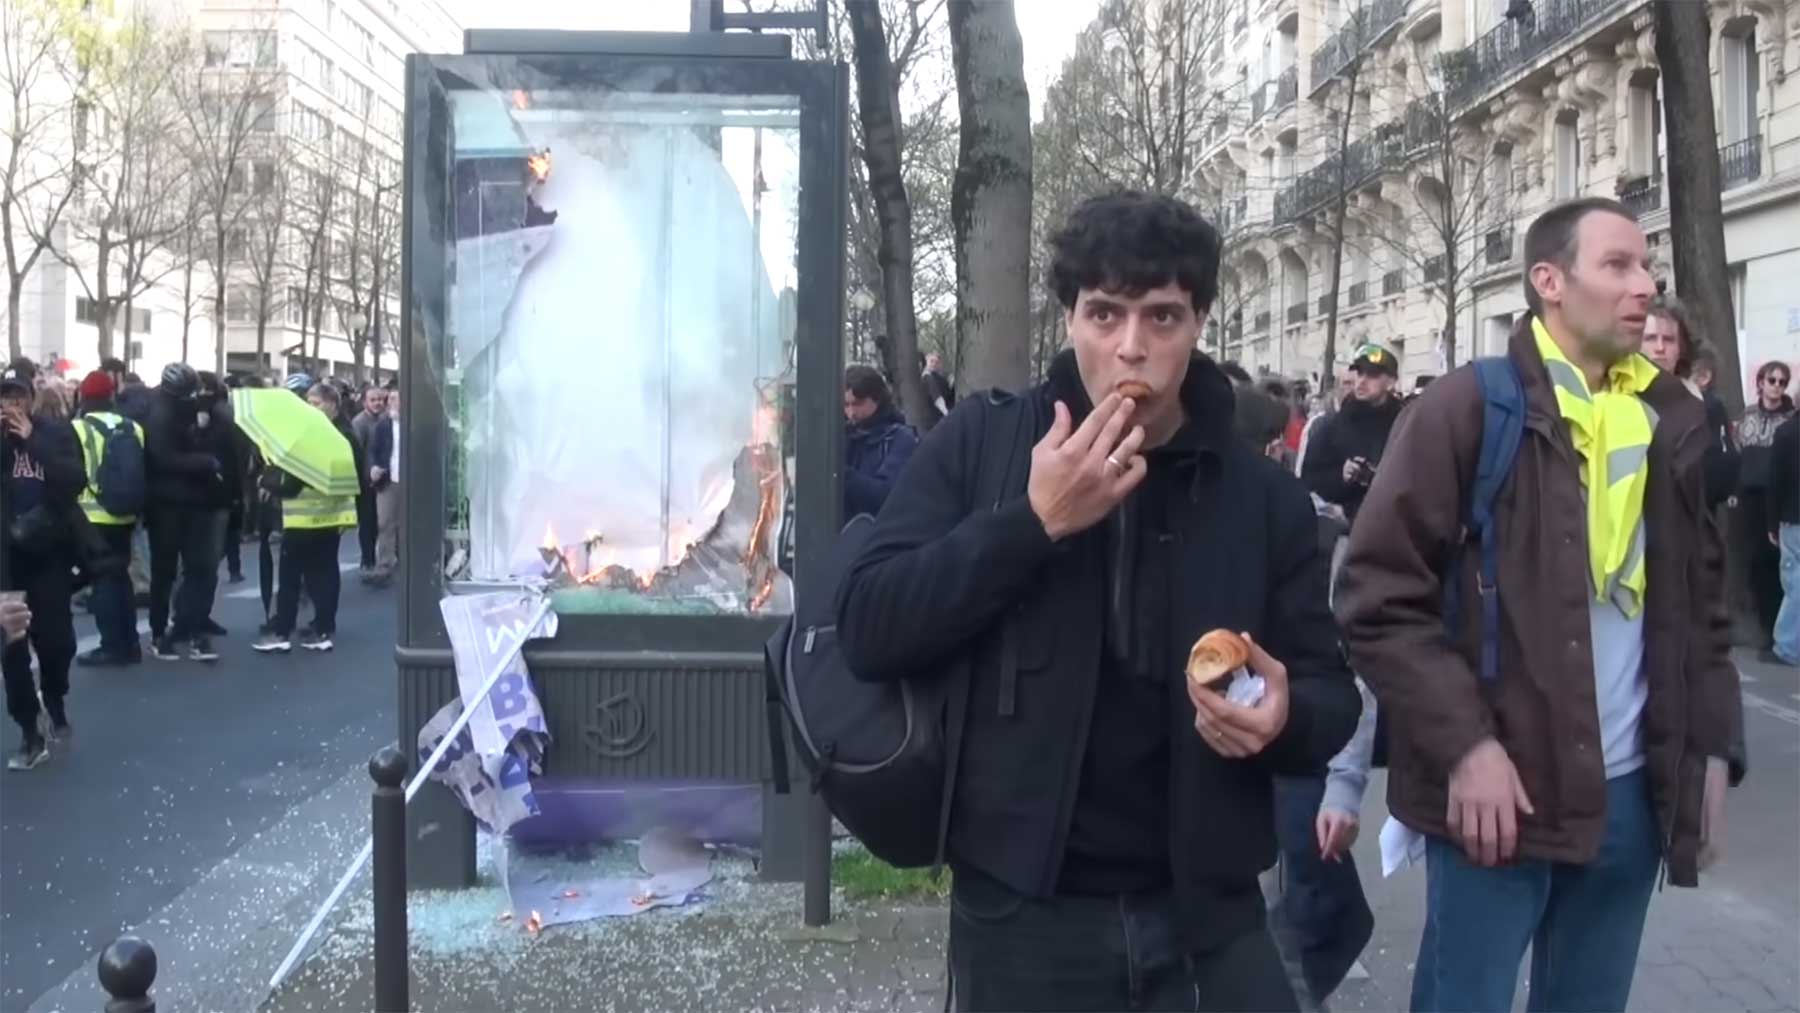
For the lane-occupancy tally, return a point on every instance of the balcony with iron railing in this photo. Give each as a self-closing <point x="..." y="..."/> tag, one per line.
<point x="1287" y="88"/>
<point x="1359" y="293"/>
<point x="1643" y="194"/>
<point x="1296" y="314"/>
<point x="1740" y="162"/>
<point x="1475" y="71"/>
<point x="1326" y="304"/>
<point x="1259" y="101"/>
<point x="1434" y="269"/>
<point x="1365" y="27"/>
<point x="1260" y="324"/>
<point x="1393" y="282"/>
<point x="1498" y="244"/>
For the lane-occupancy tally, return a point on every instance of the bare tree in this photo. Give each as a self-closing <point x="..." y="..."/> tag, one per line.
<point x="269" y="239"/>
<point x="38" y="179"/>
<point x="120" y="239"/>
<point x="990" y="205"/>
<point x="229" y="105"/>
<point x="1696" y="216"/>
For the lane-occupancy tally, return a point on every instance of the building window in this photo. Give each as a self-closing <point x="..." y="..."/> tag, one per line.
<point x="140" y="321"/>
<point x="1568" y="158"/>
<point x="86" y="310"/>
<point x="1646" y="129"/>
<point x="1736" y="272"/>
<point x="239" y="49"/>
<point x="295" y="306"/>
<point x="240" y="306"/>
<point x="1739" y="80"/>
<point x="263" y="177"/>
<point x="137" y="350"/>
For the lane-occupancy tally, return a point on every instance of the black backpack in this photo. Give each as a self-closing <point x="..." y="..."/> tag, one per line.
<point x="883" y="755"/>
<point x="119" y="482"/>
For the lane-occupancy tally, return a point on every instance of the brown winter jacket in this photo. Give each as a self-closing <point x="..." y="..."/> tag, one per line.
<point x="1541" y="706"/>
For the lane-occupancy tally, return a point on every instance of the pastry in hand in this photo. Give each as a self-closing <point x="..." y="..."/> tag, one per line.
<point x="1215" y="656"/>
<point x="1137" y="390"/>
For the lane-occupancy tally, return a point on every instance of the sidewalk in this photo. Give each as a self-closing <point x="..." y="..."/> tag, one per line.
<point x="743" y="949"/>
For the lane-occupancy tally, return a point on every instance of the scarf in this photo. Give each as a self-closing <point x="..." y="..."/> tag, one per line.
<point x="1611" y="430"/>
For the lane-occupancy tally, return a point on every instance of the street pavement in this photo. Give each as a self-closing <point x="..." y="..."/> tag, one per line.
<point x="174" y="771"/>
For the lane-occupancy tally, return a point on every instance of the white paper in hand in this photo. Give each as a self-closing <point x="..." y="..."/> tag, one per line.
<point x="1246" y="690"/>
<point x="1401" y="846"/>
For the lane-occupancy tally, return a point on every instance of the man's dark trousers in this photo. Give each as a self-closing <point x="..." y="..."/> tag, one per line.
<point x="115" y="615"/>
<point x="309" y="559"/>
<point x="367" y="527"/>
<point x="187" y="538"/>
<point x="1009" y="952"/>
<point x="1323" y="920"/>
<point x="47" y="584"/>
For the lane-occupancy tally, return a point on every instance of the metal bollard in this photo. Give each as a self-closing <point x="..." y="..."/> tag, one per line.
<point x="127" y="970"/>
<point x="388" y="812"/>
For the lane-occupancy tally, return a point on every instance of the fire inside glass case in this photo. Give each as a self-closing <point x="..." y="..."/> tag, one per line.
<point x="621" y="321"/>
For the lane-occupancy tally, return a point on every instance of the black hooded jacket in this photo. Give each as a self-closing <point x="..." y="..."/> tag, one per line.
<point x="1042" y="625"/>
<point x="1359" y="429"/>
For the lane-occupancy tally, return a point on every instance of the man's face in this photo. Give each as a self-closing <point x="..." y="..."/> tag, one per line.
<point x="15" y="403"/>
<point x="1140" y="343"/>
<point x="320" y="402"/>
<point x="1662" y="342"/>
<point x="933" y="362"/>
<point x="1372" y="385"/>
<point x="1603" y="299"/>
<point x="374" y="400"/>
<point x="1346" y="385"/>
<point x="858" y="409"/>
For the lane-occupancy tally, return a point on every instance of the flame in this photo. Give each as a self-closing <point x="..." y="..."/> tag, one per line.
<point x="539" y="165"/>
<point x="520" y="100"/>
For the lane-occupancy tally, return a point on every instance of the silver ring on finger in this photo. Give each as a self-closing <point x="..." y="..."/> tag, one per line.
<point x="1114" y="462"/>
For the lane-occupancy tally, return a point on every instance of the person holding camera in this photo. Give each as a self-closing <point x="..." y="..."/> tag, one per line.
<point x="1344" y="450"/>
<point x="40" y="477"/>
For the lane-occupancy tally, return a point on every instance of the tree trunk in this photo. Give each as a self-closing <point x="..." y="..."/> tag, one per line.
<point x="878" y="102"/>
<point x="103" y="300"/>
<point x="15" y="350"/>
<point x="1696" y="219"/>
<point x="1449" y="337"/>
<point x="219" y="297"/>
<point x="1327" y="372"/>
<point x="990" y="198"/>
<point x="187" y="300"/>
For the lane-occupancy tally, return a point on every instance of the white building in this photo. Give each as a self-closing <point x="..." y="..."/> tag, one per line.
<point x="337" y="68"/>
<point x="1567" y="104"/>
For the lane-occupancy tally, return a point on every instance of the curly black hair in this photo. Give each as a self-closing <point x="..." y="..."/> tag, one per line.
<point x="1130" y="242"/>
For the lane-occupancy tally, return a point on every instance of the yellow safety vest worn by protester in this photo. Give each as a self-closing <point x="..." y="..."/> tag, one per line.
<point x="311" y="509"/>
<point x="93" y="443"/>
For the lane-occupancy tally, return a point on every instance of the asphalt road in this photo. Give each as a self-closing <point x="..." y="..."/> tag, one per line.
<point x="174" y="768"/>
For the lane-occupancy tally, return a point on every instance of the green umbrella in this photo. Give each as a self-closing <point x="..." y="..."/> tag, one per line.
<point x="297" y="438"/>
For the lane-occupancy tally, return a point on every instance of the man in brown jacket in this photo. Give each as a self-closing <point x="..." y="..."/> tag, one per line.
<point x="1553" y="794"/>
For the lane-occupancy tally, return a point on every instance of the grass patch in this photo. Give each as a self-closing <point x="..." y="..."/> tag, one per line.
<point x="862" y="876"/>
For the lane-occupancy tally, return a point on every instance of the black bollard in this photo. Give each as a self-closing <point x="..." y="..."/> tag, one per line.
<point x="388" y="812"/>
<point x="127" y="970"/>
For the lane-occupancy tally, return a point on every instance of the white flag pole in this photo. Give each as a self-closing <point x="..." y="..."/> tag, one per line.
<point x="501" y="664"/>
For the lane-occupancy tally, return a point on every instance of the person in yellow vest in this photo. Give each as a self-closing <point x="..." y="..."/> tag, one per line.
<point x="312" y="523"/>
<point x="115" y="613"/>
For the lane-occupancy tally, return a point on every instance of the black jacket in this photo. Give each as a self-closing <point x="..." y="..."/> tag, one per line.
<point x="875" y="452"/>
<point x="1359" y="429"/>
<point x="943" y="580"/>
<point x="380" y="452"/>
<point x="1721" y="454"/>
<point x="187" y="464"/>
<point x="1784" y="475"/>
<point x="51" y="523"/>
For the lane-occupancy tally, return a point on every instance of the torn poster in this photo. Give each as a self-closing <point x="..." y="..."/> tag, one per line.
<point x="491" y="763"/>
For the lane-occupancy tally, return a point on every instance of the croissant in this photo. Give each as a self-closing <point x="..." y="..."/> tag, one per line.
<point x="1134" y="389"/>
<point x="1215" y="656"/>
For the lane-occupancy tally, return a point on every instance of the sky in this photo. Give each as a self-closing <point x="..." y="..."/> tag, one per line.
<point x="1047" y="27"/>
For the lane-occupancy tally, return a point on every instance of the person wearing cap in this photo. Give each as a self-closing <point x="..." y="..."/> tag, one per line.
<point x="186" y="465"/>
<point x="1342" y="455"/>
<point x="40" y="479"/>
<point x="115" y="615"/>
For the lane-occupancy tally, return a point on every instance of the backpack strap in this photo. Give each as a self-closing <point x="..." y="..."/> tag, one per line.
<point x="776" y="713"/>
<point x="992" y="487"/>
<point x="1502" y="429"/>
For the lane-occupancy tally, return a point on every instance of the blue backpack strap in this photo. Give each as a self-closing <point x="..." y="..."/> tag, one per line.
<point x="1502" y="429"/>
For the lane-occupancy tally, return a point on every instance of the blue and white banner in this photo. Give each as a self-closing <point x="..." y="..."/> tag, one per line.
<point x="491" y="763"/>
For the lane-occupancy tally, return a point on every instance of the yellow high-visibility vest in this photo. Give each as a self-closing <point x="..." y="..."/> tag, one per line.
<point x="314" y="509"/>
<point x="93" y="442"/>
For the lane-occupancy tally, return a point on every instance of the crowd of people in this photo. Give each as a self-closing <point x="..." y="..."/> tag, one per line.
<point x="1506" y="586"/>
<point x="122" y="494"/>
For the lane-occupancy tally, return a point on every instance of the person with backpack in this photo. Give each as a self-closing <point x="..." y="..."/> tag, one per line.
<point x="1533" y="593"/>
<point x="1107" y="821"/>
<point x="189" y="465"/>
<point x="112" y="450"/>
<point x="40" y="479"/>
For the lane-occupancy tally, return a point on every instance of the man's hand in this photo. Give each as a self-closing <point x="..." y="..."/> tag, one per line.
<point x="1336" y="831"/>
<point x="376" y="472"/>
<point x="1077" y="478"/>
<point x="15" y="620"/>
<point x="1712" y="811"/>
<point x="1350" y="469"/>
<point x="20" y="424"/>
<point x="1236" y="731"/>
<point x="1486" y="797"/>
